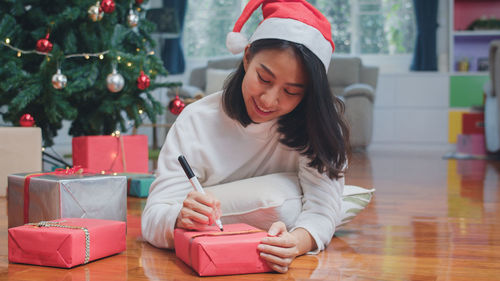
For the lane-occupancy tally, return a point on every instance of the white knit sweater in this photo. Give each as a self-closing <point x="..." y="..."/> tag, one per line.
<point x="219" y="151"/>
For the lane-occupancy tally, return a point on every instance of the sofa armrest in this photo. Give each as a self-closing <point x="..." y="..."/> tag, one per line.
<point x="197" y="78"/>
<point x="359" y="90"/>
<point x="369" y="75"/>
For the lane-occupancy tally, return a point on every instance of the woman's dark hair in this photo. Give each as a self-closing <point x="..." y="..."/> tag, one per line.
<point x="319" y="114"/>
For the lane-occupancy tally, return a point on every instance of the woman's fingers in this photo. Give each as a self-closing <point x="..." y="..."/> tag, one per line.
<point x="284" y="242"/>
<point x="197" y="207"/>
<point x="187" y="223"/>
<point x="194" y="216"/>
<point x="198" y="210"/>
<point x="214" y="203"/>
<point x="282" y="252"/>
<point x="285" y="262"/>
<point x="279" y="249"/>
<point x="205" y="204"/>
<point x="278" y="268"/>
<point x="277" y="228"/>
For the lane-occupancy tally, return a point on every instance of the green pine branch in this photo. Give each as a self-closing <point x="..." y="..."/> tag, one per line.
<point x="25" y="80"/>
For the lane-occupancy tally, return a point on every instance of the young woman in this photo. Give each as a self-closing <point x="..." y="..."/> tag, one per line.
<point x="275" y="114"/>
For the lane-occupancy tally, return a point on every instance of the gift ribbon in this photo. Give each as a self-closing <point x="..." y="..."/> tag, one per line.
<point x="57" y="224"/>
<point x="68" y="171"/>
<point x="213" y="234"/>
<point x="121" y="150"/>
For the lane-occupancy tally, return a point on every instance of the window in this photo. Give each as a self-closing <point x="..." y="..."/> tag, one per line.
<point x="359" y="27"/>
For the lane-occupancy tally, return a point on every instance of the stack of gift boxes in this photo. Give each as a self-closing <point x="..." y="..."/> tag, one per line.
<point x="73" y="216"/>
<point x="120" y="155"/>
<point x="86" y="203"/>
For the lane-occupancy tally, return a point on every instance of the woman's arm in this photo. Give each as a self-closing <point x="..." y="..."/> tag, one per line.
<point x="315" y="225"/>
<point x="169" y="190"/>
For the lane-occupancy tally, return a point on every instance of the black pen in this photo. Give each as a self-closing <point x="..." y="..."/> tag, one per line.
<point x="194" y="182"/>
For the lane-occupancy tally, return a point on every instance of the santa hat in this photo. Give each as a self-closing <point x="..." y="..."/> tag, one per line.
<point x="291" y="20"/>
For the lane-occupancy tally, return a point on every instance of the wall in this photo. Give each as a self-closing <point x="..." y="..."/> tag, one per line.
<point x="411" y="111"/>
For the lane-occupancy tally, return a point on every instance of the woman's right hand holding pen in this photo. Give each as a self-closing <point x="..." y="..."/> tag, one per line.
<point x="198" y="211"/>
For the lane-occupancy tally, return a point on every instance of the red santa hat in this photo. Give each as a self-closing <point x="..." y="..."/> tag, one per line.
<point x="292" y="20"/>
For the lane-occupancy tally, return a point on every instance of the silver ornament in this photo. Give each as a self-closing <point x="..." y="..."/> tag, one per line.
<point x="59" y="80"/>
<point x="132" y="18"/>
<point x="95" y="12"/>
<point x="115" y="81"/>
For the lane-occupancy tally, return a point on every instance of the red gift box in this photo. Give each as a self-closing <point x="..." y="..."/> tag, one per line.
<point x="473" y="123"/>
<point x="112" y="154"/>
<point x="212" y="252"/>
<point x="66" y="242"/>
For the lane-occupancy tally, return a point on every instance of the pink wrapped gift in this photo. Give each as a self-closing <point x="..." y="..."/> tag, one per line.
<point x="212" y="252"/>
<point x="473" y="144"/>
<point x="66" y="242"/>
<point x="111" y="154"/>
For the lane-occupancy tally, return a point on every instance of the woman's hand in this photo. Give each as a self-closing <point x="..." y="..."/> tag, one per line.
<point x="280" y="248"/>
<point x="198" y="211"/>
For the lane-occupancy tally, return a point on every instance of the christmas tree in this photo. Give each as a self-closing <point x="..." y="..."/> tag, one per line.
<point x="87" y="62"/>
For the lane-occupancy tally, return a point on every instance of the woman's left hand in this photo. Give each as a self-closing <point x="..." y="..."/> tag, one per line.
<point x="280" y="248"/>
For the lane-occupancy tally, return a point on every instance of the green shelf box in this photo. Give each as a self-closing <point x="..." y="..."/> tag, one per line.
<point x="467" y="91"/>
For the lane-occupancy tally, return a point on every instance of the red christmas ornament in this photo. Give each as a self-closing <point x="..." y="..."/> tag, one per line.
<point x="143" y="81"/>
<point x="176" y="105"/>
<point x="108" y="6"/>
<point x="27" y="120"/>
<point x="139" y="2"/>
<point x="43" y="45"/>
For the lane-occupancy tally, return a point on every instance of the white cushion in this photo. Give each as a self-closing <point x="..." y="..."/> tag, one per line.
<point x="261" y="201"/>
<point x="215" y="79"/>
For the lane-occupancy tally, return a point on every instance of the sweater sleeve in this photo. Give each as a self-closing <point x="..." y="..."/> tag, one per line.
<point x="167" y="192"/>
<point x="321" y="204"/>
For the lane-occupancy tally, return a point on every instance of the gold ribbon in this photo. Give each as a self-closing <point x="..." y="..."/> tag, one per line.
<point x="57" y="224"/>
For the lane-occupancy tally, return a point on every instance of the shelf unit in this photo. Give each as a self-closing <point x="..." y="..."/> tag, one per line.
<point x="466" y="87"/>
<point x="471" y="45"/>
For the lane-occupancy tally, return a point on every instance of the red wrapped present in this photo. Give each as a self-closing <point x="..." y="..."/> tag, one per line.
<point x="212" y="252"/>
<point x="66" y="242"/>
<point x="473" y="123"/>
<point x="111" y="153"/>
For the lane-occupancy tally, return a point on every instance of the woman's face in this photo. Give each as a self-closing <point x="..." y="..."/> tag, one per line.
<point x="274" y="83"/>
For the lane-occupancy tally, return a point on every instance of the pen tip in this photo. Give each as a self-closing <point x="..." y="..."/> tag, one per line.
<point x="221" y="229"/>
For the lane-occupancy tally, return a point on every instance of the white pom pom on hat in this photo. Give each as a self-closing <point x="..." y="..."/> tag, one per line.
<point x="236" y="42"/>
<point x="292" y="20"/>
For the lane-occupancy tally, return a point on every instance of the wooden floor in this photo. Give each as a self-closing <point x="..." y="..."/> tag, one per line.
<point x="430" y="219"/>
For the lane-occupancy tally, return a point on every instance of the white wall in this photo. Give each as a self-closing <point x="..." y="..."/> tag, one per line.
<point x="411" y="111"/>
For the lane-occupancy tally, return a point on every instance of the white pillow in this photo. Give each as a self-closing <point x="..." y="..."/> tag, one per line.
<point x="261" y="201"/>
<point x="215" y="79"/>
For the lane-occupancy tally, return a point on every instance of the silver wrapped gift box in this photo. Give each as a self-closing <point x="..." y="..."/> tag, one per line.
<point x="67" y="196"/>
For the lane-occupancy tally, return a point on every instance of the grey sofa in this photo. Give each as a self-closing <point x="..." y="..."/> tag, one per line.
<point x="349" y="79"/>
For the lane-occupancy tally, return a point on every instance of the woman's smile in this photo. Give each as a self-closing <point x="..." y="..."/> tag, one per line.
<point x="262" y="110"/>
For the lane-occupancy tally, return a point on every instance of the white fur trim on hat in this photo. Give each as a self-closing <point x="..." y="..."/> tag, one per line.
<point x="236" y="42"/>
<point x="298" y="32"/>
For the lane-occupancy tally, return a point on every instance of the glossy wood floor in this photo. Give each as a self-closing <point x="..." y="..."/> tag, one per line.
<point x="431" y="219"/>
